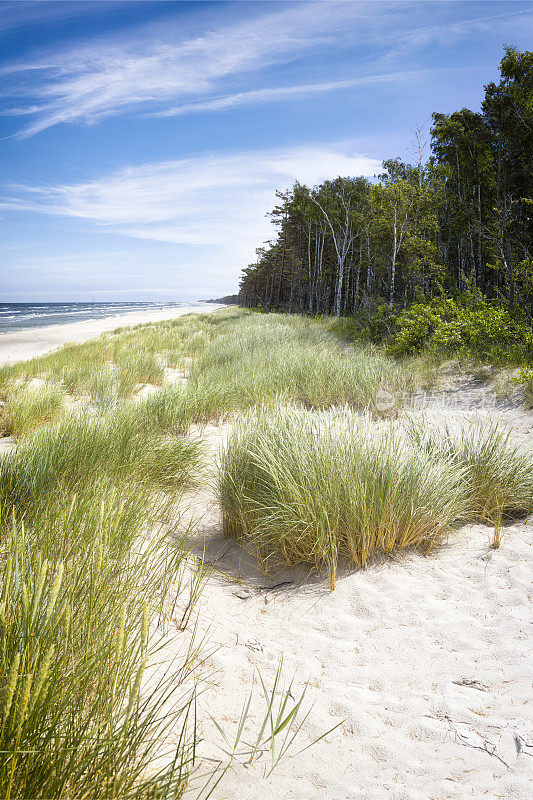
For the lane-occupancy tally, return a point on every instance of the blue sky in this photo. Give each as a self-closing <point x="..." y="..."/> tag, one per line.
<point x="142" y="142"/>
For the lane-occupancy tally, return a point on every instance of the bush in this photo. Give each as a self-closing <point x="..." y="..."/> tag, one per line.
<point x="466" y="328"/>
<point x="525" y="379"/>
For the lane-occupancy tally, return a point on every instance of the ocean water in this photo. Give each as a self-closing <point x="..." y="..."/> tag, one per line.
<point x="18" y="316"/>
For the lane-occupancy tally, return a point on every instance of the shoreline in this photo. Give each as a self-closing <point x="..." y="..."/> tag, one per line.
<point x="28" y="343"/>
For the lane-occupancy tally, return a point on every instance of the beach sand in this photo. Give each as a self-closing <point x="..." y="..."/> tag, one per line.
<point x="24" y="344"/>
<point x="425" y="661"/>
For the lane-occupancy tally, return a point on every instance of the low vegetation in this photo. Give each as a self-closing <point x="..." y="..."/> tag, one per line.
<point x="83" y="591"/>
<point x="272" y="358"/>
<point x="211" y="366"/>
<point x="310" y="488"/>
<point x="498" y="474"/>
<point x="29" y="405"/>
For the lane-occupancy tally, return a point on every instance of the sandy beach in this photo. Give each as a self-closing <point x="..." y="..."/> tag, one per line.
<point x="32" y="342"/>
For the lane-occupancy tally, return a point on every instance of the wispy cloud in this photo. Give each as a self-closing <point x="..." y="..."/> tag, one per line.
<point x="156" y="66"/>
<point x="281" y="93"/>
<point x="105" y="78"/>
<point x="17" y="14"/>
<point x="209" y="200"/>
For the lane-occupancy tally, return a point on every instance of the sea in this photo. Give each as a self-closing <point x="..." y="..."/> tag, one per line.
<point x="19" y="316"/>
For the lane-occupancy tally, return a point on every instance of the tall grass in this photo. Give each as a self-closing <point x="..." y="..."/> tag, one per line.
<point x="310" y="487"/>
<point x="28" y="406"/>
<point x="77" y="617"/>
<point x="79" y="449"/>
<point x="175" y="408"/>
<point x="234" y="359"/>
<point x="498" y="473"/>
<point x="260" y="359"/>
<point x="84" y="712"/>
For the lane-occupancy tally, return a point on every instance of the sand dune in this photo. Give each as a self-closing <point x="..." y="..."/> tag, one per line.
<point x="423" y="661"/>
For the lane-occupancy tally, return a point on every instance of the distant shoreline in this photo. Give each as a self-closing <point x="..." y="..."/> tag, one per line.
<point x="27" y="343"/>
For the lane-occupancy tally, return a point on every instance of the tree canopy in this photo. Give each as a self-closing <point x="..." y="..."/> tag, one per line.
<point x="462" y="220"/>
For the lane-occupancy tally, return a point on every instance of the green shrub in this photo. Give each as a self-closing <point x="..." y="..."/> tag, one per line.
<point x="525" y="379"/>
<point x="465" y="328"/>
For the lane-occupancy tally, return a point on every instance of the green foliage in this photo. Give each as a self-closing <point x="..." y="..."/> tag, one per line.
<point x="308" y="487"/>
<point x="461" y="221"/>
<point x="81" y="587"/>
<point x="264" y="358"/>
<point x="472" y="328"/>
<point x="525" y="379"/>
<point x="77" y="604"/>
<point x="80" y="449"/>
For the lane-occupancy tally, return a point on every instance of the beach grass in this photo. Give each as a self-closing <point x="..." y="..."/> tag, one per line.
<point x="271" y="358"/>
<point x="27" y="406"/>
<point x="310" y="487"/>
<point x="230" y="360"/>
<point x="498" y="472"/>
<point x="314" y="472"/>
<point x="86" y="565"/>
<point x="80" y="449"/>
<point x="78" y="611"/>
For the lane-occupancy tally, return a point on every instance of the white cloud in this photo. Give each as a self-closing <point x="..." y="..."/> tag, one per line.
<point x="159" y="65"/>
<point x="106" y="77"/>
<point x="210" y="201"/>
<point x="282" y="93"/>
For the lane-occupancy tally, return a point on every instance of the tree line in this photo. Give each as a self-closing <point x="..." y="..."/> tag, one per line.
<point x="462" y="220"/>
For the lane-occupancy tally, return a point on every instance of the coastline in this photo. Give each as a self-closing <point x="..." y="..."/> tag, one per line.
<point x="28" y="343"/>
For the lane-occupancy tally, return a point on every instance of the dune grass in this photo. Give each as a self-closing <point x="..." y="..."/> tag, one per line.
<point x="232" y="360"/>
<point x="86" y="566"/>
<point x="28" y="406"/>
<point x="83" y="589"/>
<point x="498" y="473"/>
<point x="76" y="451"/>
<point x="78" y="612"/>
<point x="267" y="358"/>
<point x="310" y="487"/>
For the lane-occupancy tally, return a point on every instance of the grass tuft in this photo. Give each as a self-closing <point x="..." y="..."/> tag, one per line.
<point x="312" y="486"/>
<point x="29" y="406"/>
<point x="498" y="473"/>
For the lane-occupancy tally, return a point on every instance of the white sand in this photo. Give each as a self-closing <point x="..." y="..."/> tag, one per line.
<point x="31" y="342"/>
<point x="424" y="660"/>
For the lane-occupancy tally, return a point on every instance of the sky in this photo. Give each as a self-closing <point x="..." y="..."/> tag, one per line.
<point x="141" y="143"/>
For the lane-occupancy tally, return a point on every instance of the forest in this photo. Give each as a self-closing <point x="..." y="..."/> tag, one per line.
<point x="456" y="223"/>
